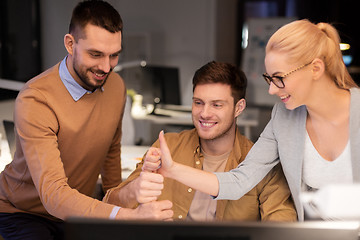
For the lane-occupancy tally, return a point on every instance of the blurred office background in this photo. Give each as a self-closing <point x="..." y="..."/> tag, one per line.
<point x="174" y="38"/>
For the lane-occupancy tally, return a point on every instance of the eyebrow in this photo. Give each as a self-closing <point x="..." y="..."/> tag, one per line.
<point x="216" y="100"/>
<point x="99" y="52"/>
<point x="276" y="73"/>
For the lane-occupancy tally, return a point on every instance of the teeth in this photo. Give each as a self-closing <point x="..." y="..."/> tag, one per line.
<point x="283" y="97"/>
<point x="99" y="75"/>
<point x="207" y="124"/>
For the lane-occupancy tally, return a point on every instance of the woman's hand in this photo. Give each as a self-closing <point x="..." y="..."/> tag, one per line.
<point x="167" y="162"/>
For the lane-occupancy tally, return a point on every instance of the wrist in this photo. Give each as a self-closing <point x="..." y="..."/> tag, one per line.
<point x="124" y="214"/>
<point x="171" y="172"/>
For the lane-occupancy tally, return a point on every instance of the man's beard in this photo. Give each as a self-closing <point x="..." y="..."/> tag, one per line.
<point x="86" y="80"/>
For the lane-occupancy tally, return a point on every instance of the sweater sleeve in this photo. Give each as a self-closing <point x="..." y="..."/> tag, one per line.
<point x="37" y="127"/>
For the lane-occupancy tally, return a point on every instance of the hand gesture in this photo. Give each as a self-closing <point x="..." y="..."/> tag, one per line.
<point x="152" y="160"/>
<point x="147" y="187"/>
<point x="160" y="160"/>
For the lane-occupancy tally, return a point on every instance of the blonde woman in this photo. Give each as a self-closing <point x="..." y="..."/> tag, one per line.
<point x="314" y="130"/>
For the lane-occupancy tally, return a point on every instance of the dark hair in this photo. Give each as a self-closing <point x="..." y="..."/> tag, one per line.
<point x="96" y="12"/>
<point x="226" y="73"/>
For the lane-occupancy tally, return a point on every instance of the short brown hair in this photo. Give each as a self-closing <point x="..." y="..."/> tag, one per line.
<point x="226" y="73"/>
<point x="95" y="12"/>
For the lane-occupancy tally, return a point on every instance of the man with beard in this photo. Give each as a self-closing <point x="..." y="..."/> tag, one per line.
<point x="215" y="145"/>
<point x="68" y="130"/>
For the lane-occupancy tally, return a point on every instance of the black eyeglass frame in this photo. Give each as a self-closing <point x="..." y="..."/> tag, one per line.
<point x="278" y="80"/>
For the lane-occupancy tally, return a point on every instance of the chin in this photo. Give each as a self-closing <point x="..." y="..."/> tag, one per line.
<point x="291" y="107"/>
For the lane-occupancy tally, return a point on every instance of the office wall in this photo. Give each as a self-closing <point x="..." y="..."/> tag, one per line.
<point x="178" y="33"/>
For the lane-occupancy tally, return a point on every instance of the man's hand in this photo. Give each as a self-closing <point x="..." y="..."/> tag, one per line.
<point x="152" y="160"/>
<point x="157" y="210"/>
<point x="143" y="189"/>
<point x="147" y="187"/>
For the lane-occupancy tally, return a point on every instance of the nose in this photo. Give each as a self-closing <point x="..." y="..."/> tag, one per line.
<point x="206" y="112"/>
<point x="273" y="89"/>
<point x="104" y="65"/>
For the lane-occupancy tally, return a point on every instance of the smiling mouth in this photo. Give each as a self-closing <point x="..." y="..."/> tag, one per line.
<point x="285" y="97"/>
<point x="207" y="124"/>
<point x="99" y="76"/>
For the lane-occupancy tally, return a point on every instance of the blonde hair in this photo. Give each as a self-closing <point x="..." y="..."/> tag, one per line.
<point x="304" y="41"/>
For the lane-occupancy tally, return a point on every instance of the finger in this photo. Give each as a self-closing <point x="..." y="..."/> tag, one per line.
<point x="149" y="166"/>
<point x="151" y="177"/>
<point x="149" y="187"/>
<point x="153" y="159"/>
<point x="146" y="199"/>
<point x="167" y="215"/>
<point x="164" y="147"/>
<point x="165" y="204"/>
<point x="153" y="152"/>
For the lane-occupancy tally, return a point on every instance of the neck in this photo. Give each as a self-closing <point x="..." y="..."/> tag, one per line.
<point x="329" y="103"/>
<point x="221" y="144"/>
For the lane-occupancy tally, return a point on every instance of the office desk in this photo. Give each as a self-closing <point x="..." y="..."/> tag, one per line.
<point x="130" y="156"/>
<point x="248" y="119"/>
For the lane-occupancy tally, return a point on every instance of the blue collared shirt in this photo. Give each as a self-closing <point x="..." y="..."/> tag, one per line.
<point x="76" y="90"/>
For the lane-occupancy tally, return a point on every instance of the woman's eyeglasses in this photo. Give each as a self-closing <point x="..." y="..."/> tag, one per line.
<point x="278" y="80"/>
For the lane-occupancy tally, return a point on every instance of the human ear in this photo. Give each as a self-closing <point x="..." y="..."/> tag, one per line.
<point x="239" y="107"/>
<point x="69" y="42"/>
<point x="318" y="68"/>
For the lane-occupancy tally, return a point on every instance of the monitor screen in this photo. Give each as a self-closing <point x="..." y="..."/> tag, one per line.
<point x="154" y="82"/>
<point x="81" y="228"/>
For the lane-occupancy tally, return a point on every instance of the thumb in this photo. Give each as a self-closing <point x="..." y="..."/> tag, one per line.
<point x="165" y="152"/>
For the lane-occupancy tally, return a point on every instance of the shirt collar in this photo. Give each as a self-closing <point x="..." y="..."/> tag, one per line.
<point x="75" y="89"/>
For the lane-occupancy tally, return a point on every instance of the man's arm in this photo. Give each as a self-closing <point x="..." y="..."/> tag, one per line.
<point x="276" y="203"/>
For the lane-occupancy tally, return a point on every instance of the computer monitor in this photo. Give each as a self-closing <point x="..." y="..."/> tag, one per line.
<point x="81" y="228"/>
<point x="154" y="81"/>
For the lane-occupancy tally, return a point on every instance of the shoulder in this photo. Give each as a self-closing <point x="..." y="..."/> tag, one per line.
<point x="285" y="117"/>
<point x="354" y="108"/>
<point x="44" y="78"/>
<point x="243" y="142"/>
<point x="39" y="86"/>
<point x="355" y="95"/>
<point x="114" y="81"/>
